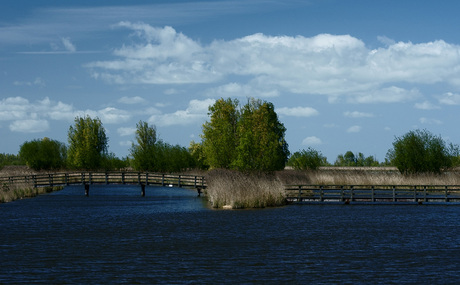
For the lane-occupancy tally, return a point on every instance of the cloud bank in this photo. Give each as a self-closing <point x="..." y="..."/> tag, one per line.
<point x="338" y="66"/>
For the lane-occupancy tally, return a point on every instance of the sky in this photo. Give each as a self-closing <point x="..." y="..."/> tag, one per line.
<point x="343" y="75"/>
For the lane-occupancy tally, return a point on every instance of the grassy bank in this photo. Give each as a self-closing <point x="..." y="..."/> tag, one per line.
<point x="13" y="192"/>
<point x="240" y="190"/>
<point x="236" y="190"/>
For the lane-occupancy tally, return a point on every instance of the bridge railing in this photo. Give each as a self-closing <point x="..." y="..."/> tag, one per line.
<point x="373" y="193"/>
<point x="85" y="178"/>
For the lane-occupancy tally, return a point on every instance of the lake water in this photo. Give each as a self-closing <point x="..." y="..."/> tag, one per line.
<point x="170" y="236"/>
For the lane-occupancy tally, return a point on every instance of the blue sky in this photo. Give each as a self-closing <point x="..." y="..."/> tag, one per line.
<point x="342" y="74"/>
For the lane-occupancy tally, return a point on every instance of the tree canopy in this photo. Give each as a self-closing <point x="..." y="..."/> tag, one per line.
<point x="247" y="138"/>
<point x="420" y="151"/>
<point x="43" y="154"/>
<point x="307" y="159"/>
<point x="88" y="144"/>
<point x="143" y="152"/>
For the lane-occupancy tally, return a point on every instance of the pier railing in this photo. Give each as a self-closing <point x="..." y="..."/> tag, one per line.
<point x="89" y="178"/>
<point x="373" y="193"/>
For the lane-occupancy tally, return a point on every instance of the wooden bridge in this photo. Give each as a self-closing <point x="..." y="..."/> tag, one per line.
<point x="409" y="194"/>
<point x="105" y="178"/>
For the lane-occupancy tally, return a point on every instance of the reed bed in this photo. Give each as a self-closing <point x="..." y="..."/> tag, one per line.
<point x="371" y="176"/>
<point x="11" y="192"/>
<point x="237" y="190"/>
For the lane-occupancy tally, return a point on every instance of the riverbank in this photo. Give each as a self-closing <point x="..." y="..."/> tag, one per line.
<point x="235" y="190"/>
<point x="16" y="191"/>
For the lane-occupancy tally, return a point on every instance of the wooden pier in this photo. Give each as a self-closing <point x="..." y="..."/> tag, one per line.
<point x="382" y="194"/>
<point x="105" y="178"/>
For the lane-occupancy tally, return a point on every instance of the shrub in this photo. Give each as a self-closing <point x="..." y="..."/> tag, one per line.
<point x="307" y="159"/>
<point x="420" y="151"/>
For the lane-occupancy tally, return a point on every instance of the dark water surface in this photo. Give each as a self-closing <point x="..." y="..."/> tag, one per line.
<point x="170" y="236"/>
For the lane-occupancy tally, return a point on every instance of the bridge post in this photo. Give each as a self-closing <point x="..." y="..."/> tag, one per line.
<point x="178" y="182"/>
<point x="86" y="190"/>
<point x="106" y="178"/>
<point x="146" y="178"/>
<point x="142" y="189"/>
<point x="447" y="194"/>
<point x="163" y="180"/>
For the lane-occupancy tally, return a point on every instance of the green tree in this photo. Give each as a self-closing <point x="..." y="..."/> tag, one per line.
<point x="10" y="159"/>
<point x="43" y="154"/>
<point x="143" y="152"/>
<point x="420" y="151"/>
<point x="88" y="144"/>
<point x="219" y="138"/>
<point x="261" y="144"/>
<point x="307" y="159"/>
<point x="350" y="159"/>
<point x="199" y="159"/>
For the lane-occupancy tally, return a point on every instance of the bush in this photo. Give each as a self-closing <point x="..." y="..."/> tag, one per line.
<point x="421" y="152"/>
<point x="43" y="154"/>
<point x="307" y="159"/>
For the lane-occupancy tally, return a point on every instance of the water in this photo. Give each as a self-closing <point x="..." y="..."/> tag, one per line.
<point x="170" y="236"/>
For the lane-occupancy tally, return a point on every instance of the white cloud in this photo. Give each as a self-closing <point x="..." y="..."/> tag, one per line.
<point x="425" y="105"/>
<point x="449" y="98"/>
<point x="354" y="129"/>
<point x="357" y="114"/>
<point x="429" y="121"/>
<point x="297" y="111"/>
<point x="37" y="82"/>
<point x="126" y="131"/>
<point x="312" y="141"/>
<point x="68" y="45"/>
<point x="131" y="100"/>
<point x="196" y="112"/>
<point x="29" y="126"/>
<point x="331" y="65"/>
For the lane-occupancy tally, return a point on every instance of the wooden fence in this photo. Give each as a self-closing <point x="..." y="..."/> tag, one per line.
<point x="89" y="178"/>
<point x="373" y="193"/>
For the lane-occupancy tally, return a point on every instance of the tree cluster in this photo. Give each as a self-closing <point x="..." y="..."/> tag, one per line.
<point x="247" y="138"/>
<point x="350" y="159"/>
<point x="150" y="154"/>
<point x="420" y="151"/>
<point x="309" y="159"/>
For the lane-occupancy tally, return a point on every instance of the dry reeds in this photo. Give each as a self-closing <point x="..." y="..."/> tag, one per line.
<point x="237" y="190"/>
<point x="367" y="176"/>
<point x="11" y="192"/>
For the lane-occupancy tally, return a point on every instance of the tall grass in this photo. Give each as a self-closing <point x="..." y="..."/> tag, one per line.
<point x="257" y="190"/>
<point x="11" y="192"/>
<point x="14" y="191"/>
<point x="375" y="176"/>
<point x="243" y="190"/>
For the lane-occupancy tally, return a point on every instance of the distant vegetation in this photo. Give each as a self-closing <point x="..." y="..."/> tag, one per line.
<point x="246" y="138"/>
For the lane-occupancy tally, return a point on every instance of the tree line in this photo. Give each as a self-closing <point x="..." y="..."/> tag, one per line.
<point x="246" y="138"/>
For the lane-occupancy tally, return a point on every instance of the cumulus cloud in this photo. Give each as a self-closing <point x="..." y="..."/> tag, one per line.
<point x="449" y="98"/>
<point x="131" y="100"/>
<point x="33" y="117"/>
<point x="37" y="82"/>
<point x="126" y="131"/>
<point x="357" y="114"/>
<point x="425" y="105"/>
<point x="297" y="111"/>
<point x="68" y="45"/>
<point x="429" y="121"/>
<point x="354" y="129"/>
<point x="331" y="65"/>
<point x="196" y="112"/>
<point x="29" y="126"/>
<point x="313" y="140"/>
